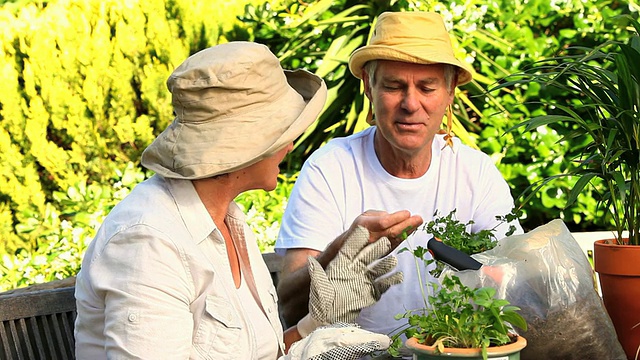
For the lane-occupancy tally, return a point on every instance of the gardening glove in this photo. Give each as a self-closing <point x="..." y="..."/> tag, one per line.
<point x="351" y="282"/>
<point x="337" y="342"/>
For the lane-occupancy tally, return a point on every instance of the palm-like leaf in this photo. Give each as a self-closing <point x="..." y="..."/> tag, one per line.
<point x="605" y="82"/>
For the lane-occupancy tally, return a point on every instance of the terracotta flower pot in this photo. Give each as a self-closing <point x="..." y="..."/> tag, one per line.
<point x="618" y="268"/>
<point x="505" y="352"/>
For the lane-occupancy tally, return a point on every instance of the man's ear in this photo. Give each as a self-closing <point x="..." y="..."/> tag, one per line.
<point x="452" y="91"/>
<point x="367" y="84"/>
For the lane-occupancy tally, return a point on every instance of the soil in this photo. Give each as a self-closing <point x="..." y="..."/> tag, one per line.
<point x="579" y="331"/>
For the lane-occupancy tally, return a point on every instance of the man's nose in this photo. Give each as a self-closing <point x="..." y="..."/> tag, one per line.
<point x="410" y="101"/>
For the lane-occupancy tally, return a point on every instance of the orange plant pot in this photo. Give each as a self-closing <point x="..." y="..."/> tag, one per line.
<point x="428" y="352"/>
<point x="618" y="268"/>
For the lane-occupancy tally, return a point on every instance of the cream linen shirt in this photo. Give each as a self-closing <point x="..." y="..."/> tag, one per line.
<point x="156" y="283"/>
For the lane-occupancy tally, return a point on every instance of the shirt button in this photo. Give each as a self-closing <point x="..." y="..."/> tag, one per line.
<point x="133" y="317"/>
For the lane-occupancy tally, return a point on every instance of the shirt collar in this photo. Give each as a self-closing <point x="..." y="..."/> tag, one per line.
<point x="194" y="215"/>
<point x="193" y="212"/>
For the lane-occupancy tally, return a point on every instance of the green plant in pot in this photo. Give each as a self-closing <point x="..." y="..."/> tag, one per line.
<point x="464" y="322"/>
<point x="459" y="321"/>
<point x="604" y="119"/>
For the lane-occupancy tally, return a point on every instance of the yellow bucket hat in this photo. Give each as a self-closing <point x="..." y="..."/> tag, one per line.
<point x="413" y="37"/>
<point x="234" y="106"/>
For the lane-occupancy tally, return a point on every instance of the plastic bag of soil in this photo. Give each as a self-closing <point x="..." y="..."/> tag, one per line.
<point x="547" y="275"/>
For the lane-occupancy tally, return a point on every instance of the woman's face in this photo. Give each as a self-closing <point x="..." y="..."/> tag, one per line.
<point x="264" y="174"/>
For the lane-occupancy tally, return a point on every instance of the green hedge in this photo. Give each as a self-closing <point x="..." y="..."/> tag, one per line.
<point x="83" y="93"/>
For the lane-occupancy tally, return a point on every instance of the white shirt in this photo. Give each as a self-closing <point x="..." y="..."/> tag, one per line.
<point x="345" y="178"/>
<point x="156" y="283"/>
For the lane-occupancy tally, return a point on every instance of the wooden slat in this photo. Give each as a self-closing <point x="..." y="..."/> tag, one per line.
<point x="4" y="338"/>
<point x="48" y="331"/>
<point x="37" y="303"/>
<point x="16" y="343"/>
<point x="22" y="324"/>
<point x="35" y="336"/>
<point x="68" y="320"/>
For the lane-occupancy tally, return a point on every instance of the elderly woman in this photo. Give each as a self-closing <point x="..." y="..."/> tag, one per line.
<point x="174" y="271"/>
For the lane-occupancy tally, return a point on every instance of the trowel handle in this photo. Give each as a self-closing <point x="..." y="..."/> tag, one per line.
<point x="452" y="256"/>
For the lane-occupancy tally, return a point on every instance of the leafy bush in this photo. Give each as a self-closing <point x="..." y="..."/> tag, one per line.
<point x="497" y="38"/>
<point x="83" y="92"/>
<point x="83" y="89"/>
<point x="63" y="236"/>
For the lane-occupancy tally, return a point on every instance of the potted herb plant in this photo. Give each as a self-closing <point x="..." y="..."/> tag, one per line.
<point x="464" y="322"/>
<point x="459" y="321"/>
<point x="605" y="119"/>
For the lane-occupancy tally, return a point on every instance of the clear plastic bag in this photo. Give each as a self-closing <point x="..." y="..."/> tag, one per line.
<point x="547" y="275"/>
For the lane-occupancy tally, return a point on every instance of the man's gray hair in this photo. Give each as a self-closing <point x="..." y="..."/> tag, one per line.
<point x="450" y="72"/>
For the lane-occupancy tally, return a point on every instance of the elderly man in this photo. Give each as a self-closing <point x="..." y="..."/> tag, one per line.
<point x="401" y="167"/>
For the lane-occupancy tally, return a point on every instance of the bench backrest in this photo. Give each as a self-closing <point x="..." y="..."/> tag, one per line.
<point x="38" y="323"/>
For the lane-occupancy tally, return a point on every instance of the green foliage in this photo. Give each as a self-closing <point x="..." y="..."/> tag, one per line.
<point x="535" y="30"/>
<point x="84" y="90"/>
<point x="496" y="37"/>
<point x="603" y="115"/>
<point x="460" y="317"/>
<point x="452" y="232"/>
<point x="84" y="93"/>
<point x="62" y="236"/>
<point x="264" y="211"/>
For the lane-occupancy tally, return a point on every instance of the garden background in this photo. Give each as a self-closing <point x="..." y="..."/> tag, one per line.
<point x="83" y="93"/>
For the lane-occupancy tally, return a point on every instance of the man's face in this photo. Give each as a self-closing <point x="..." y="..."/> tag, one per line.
<point x="410" y="101"/>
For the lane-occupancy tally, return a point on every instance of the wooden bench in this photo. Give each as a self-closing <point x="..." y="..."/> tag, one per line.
<point x="38" y="321"/>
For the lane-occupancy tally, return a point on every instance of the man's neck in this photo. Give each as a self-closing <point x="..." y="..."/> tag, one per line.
<point x="401" y="164"/>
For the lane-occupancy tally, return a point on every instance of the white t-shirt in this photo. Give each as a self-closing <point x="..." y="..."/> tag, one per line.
<point x="344" y="178"/>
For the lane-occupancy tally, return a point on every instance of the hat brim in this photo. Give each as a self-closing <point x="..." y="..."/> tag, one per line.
<point x="382" y="52"/>
<point x="310" y="87"/>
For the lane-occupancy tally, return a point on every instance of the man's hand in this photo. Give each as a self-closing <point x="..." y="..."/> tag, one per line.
<point x="395" y="226"/>
<point x="352" y="281"/>
<point x="294" y="285"/>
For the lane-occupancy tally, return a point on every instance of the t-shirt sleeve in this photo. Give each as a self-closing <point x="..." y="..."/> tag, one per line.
<point x="495" y="200"/>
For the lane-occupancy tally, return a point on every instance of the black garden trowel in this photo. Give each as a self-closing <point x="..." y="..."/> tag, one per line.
<point x="452" y="256"/>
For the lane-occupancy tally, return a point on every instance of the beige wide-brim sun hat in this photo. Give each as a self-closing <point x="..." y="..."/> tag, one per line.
<point x="234" y="106"/>
<point x="413" y="37"/>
